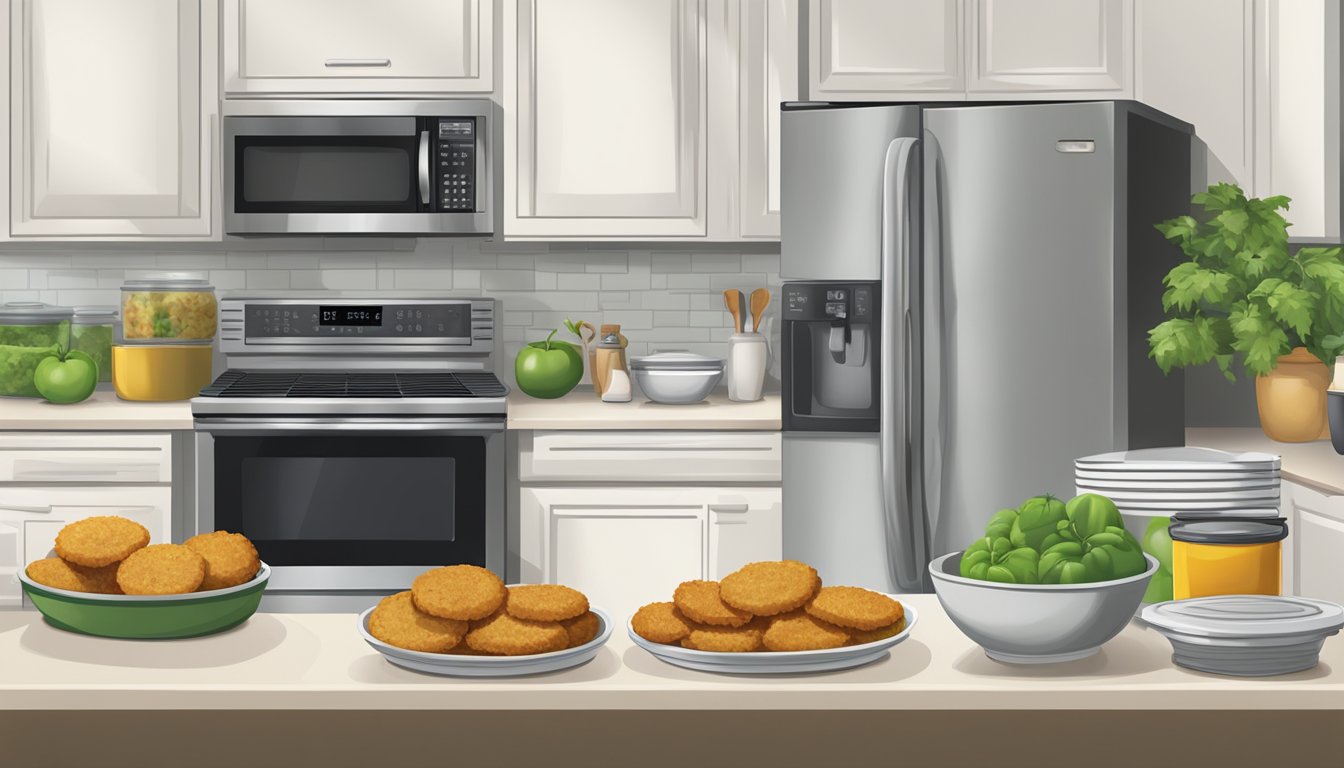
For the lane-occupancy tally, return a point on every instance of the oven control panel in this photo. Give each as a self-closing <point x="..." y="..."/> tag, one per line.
<point x="456" y="163"/>
<point x="366" y="320"/>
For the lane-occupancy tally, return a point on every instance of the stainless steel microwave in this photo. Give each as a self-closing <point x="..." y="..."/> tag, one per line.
<point x="358" y="167"/>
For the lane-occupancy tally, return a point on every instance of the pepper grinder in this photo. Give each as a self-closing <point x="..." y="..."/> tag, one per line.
<point x="610" y="357"/>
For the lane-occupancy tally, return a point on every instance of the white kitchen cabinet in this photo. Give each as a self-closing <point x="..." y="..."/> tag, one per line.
<point x="1050" y="49"/>
<point x="49" y="479"/>
<point x="703" y="458"/>
<point x="679" y="141"/>
<point x="1207" y="79"/>
<point x="605" y="127"/>
<point x="1297" y="129"/>
<point x="358" y="46"/>
<point x="886" y="50"/>
<point x="768" y="64"/>
<point x="1313" y="565"/>
<point x="31" y="516"/>
<point x="625" y="546"/>
<point x="113" y="119"/>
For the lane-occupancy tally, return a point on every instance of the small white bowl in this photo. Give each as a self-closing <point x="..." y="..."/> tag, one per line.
<point x="677" y="387"/>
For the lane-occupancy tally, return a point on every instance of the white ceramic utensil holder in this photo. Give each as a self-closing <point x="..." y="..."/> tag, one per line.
<point x="747" y="357"/>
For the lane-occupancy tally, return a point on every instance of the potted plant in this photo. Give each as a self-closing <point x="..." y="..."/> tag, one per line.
<point x="1240" y="296"/>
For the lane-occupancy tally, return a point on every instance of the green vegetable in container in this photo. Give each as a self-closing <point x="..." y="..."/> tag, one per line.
<point x="96" y="342"/>
<point x="17" y="364"/>
<point x="1157" y="542"/>
<point x="1092" y="545"/>
<point x="1037" y="522"/>
<point x="996" y="559"/>
<point x="1001" y="524"/>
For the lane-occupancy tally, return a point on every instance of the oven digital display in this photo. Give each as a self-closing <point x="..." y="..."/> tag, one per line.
<point x="350" y="315"/>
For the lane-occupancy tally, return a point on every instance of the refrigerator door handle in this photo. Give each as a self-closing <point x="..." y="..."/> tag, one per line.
<point x="934" y="407"/>
<point x="905" y="547"/>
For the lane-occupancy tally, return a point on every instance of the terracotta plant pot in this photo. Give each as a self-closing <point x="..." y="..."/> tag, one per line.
<point x="1291" y="398"/>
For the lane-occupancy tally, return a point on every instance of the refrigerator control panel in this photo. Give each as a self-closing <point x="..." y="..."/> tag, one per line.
<point x="838" y="301"/>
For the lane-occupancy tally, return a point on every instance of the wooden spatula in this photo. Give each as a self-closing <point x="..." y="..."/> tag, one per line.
<point x="760" y="299"/>
<point x="732" y="298"/>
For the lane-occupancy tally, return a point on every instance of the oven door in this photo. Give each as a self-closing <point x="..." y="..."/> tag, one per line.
<point x="355" y="505"/>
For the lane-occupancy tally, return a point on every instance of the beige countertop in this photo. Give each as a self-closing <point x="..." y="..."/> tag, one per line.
<point x="1315" y="464"/>
<point x="319" y="662"/>
<point x="581" y="410"/>
<point x="103" y="411"/>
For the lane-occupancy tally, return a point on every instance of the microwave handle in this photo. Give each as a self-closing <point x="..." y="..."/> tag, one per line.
<point x="424" y="168"/>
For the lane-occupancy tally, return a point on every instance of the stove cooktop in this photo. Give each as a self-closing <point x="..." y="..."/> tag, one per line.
<point x="284" y="384"/>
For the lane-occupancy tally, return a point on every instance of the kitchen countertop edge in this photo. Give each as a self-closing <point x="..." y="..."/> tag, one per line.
<point x="1315" y="464"/>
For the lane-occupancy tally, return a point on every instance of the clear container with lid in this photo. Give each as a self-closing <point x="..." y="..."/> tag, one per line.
<point x="29" y="331"/>
<point x="1229" y="556"/>
<point x="91" y="332"/>
<point x="170" y="307"/>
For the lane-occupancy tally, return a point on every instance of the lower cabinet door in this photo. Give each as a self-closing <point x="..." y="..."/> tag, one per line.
<point x="745" y="525"/>
<point x="30" y="518"/>
<point x="624" y="547"/>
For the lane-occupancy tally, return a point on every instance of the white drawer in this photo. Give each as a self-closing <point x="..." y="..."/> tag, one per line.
<point x="606" y="456"/>
<point x="73" y="457"/>
<point x="30" y="518"/>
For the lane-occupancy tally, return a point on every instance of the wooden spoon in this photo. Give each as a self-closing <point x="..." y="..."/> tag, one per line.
<point x="732" y="298"/>
<point x="760" y="299"/>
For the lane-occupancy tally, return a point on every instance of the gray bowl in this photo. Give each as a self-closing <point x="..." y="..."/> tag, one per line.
<point x="1037" y="623"/>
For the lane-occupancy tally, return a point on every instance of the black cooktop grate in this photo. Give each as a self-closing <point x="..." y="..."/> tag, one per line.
<point x="265" y="384"/>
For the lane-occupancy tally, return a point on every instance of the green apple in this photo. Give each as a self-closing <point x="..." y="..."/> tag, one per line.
<point x="548" y="369"/>
<point x="67" y="379"/>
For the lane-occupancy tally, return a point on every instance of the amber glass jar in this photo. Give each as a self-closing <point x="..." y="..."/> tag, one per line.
<point x="1227" y="557"/>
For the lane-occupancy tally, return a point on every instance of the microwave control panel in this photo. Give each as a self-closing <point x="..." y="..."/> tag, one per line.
<point x="456" y="162"/>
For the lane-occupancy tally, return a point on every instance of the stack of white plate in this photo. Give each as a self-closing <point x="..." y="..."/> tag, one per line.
<point x="1190" y="482"/>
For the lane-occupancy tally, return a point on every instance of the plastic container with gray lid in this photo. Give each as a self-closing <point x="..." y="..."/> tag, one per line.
<point x="29" y="332"/>
<point x="92" y="332"/>
<point x="1246" y="635"/>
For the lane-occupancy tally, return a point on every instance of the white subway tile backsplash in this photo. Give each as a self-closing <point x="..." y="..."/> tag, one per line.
<point x="428" y="279"/>
<point x="663" y="299"/>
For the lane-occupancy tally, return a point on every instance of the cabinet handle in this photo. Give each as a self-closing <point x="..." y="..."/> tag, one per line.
<point x="358" y="62"/>
<point x="20" y="508"/>
<point x="728" y="507"/>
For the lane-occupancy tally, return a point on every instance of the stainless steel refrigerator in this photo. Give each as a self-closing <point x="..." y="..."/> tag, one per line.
<point x="967" y="294"/>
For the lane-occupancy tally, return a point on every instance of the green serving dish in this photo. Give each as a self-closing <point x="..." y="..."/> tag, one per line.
<point x="148" y="617"/>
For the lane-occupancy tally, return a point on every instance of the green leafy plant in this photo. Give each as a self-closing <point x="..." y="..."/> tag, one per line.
<point x="1240" y="294"/>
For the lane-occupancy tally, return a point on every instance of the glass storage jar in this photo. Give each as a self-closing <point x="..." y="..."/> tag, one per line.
<point x="91" y="332"/>
<point x="1227" y="556"/>
<point x="29" y="331"/>
<point x="168" y="308"/>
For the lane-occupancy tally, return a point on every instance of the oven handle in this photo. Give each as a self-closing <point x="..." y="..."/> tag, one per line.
<point x="325" y="426"/>
<point x="424" y="167"/>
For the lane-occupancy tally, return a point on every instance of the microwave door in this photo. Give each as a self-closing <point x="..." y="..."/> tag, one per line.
<point x="354" y="174"/>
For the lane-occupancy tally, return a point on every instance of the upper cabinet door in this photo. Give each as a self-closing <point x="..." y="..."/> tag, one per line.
<point x="1204" y="79"/>
<point x="605" y="118"/>
<point x="768" y="62"/>
<point x="113" y="110"/>
<point x="885" y="50"/>
<point x="1051" y="48"/>
<point x="1298" y="112"/>
<point x="358" y="46"/>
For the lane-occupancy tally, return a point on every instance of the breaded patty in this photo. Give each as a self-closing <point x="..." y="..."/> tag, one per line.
<point x="743" y="639"/>
<point x="581" y="629"/>
<point x="800" y="631"/>
<point x="510" y="636"/>
<point x="700" y="602"/>
<point x="396" y="621"/>
<point x="161" y="569"/>
<point x="57" y="573"/>
<point x="463" y="592"/>
<point x="545" y="602"/>
<point x="859" y="636"/>
<point x="98" y="541"/>
<point x="770" y="588"/>
<point x="230" y="558"/>
<point x="660" y="623"/>
<point x="855" y="607"/>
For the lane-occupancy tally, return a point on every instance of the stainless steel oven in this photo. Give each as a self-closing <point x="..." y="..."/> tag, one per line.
<point x="358" y="166"/>
<point x="357" y="441"/>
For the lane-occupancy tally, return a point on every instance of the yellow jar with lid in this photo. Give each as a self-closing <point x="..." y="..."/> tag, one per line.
<point x="1227" y="557"/>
